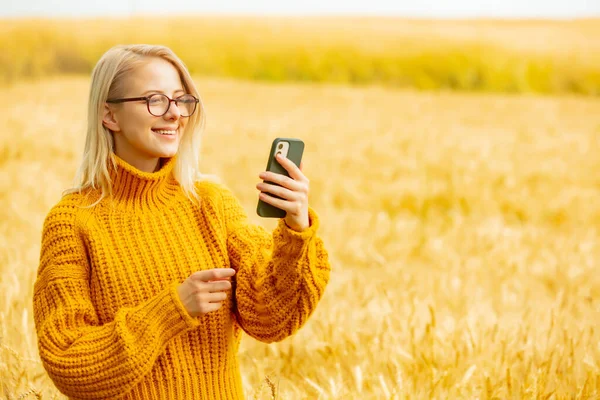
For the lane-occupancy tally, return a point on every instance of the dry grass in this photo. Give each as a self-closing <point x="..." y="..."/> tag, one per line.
<point x="472" y="55"/>
<point x="463" y="232"/>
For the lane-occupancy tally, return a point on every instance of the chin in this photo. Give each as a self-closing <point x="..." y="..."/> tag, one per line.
<point x="167" y="153"/>
<point x="162" y="151"/>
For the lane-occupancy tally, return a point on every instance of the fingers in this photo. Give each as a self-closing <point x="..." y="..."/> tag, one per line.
<point x="206" y="291"/>
<point x="294" y="171"/>
<point x="272" y="180"/>
<point x="288" y="206"/>
<point x="289" y="201"/>
<point x="210" y="307"/>
<point x="214" y="274"/>
<point x="276" y="190"/>
<point x="281" y="185"/>
<point x="218" y="286"/>
<point x="221" y="279"/>
<point x="216" y="297"/>
<point x="291" y="181"/>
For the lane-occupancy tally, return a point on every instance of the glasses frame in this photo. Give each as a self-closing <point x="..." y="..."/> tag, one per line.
<point x="147" y="100"/>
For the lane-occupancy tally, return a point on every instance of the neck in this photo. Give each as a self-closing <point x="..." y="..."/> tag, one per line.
<point x="135" y="190"/>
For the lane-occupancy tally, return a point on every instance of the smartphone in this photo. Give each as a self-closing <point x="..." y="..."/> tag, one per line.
<point x="292" y="149"/>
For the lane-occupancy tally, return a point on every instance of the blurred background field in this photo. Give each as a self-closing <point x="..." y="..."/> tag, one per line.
<point x="463" y="225"/>
<point x="481" y="55"/>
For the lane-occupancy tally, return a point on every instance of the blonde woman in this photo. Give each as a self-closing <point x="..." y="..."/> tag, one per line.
<point x="133" y="297"/>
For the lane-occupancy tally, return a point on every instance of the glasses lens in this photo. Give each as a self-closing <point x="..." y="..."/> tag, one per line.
<point x="158" y="104"/>
<point x="186" y="104"/>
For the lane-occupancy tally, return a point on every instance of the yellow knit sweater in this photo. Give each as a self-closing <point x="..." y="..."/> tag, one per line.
<point x="109" y="322"/>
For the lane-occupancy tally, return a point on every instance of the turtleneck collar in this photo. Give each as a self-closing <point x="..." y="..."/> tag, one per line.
<point x="136" y="190"/>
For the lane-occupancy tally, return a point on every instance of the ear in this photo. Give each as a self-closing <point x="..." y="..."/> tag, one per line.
<point x="109" y="119"/>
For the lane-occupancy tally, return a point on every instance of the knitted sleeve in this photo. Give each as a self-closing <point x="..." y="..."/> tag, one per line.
<point x="281" y="276"/>
<point x="84" y="359"/>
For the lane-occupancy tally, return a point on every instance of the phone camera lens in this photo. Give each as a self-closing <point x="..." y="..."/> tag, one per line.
<point x="280" y="146"/>
<point x="278" y="152"/>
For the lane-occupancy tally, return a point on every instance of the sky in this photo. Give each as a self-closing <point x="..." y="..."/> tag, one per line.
<point x="413" y="8"/>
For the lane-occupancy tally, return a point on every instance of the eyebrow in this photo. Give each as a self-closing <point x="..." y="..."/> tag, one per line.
<point x="160" y="91"/>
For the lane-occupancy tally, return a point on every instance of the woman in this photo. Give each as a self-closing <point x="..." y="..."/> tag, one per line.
<point x="133" y="297"/>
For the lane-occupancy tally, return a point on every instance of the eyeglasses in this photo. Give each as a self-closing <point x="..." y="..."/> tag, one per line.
<point x="158" y="104"/>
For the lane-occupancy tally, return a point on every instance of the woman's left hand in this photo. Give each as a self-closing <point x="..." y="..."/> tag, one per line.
<point x="293" y="191"/>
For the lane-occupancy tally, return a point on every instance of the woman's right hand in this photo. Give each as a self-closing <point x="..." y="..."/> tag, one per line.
<point x="204" y="291"/>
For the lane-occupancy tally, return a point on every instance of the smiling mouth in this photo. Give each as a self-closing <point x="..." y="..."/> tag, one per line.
<point x="166" y="132"/>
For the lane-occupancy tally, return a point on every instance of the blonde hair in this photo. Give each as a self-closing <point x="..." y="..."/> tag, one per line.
<point x="108" y="78"/>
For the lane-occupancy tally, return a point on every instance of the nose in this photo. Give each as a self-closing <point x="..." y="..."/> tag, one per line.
<point x="173" y="112"/>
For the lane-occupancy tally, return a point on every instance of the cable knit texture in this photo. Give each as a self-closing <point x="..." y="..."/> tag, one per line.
<point x="109" y="321"/>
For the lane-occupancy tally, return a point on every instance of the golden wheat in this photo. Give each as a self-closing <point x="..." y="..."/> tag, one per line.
<point x="479" y="55"/>
<point x="463" y="233"/>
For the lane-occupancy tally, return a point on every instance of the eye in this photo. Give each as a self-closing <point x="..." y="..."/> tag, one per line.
<point x="156" y="99"/>
<point x="186" y="99"/>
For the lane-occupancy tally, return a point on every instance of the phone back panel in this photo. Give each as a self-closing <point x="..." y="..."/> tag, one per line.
<point x="295" y="152"/>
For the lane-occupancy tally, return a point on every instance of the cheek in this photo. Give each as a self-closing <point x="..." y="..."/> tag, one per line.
<point x="139" y="125"/>
<point x="182" y="125"/>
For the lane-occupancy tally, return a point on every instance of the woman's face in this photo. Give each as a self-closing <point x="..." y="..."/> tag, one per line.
<point x="135" y="130"/>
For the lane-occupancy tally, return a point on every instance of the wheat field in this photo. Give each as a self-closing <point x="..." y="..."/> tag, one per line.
<point x="463" y="232"/>
<point x="510" y="56"/>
